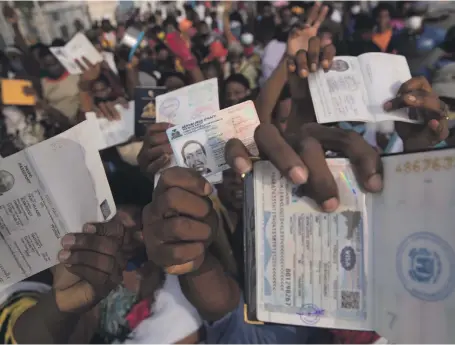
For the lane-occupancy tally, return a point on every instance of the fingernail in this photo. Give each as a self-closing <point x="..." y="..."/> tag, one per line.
<point x="298" y="175"/>
<point x="330" y="205"/>
<point x="242" y="165"/>
<point x="374" y="183"/>
<point x="434" y="125"/>
<point x="313" y="67"/>
<point x="387" y="106"/>
<point x="208" y="189"/>
<point x="291" y="68"/>
<point x="89" y="228"/>
<point x="411" y="98"/>
<point x="63" y="255"/>
<point x="325" y="64"/>
<point x="68" y="240"/>
<point x="303" y="73"/>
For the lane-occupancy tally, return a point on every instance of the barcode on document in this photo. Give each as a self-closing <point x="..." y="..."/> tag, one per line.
<point x="350" y="300"/>
<point x="105" y="209"/>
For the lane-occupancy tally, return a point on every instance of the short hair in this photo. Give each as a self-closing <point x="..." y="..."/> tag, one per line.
<point x="189" y="142"/>
<point x="237" y="78"/>
<point x="382" y="6"/>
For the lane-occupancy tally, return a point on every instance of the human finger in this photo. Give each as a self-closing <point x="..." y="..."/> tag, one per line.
<point x="152" y="160"/>
<point x="364" y="158"/>
<point x="301" y="61"/>
<point x="113" y="228"/>
<point x="88" y="63"/>
<point x="314" y="48"/>
<point x="101" y="262"/>
<point x="416" y="99"/>
<point x="237" y="156"/>
<point x="280" y="153"/>
<point x="80" y="65"/>
<point x="105" y="111"/>
<point x="321" y="17"/>
<point x="157" y="138"/>
<point x="313" y="14"/>
<point x="101" y="282"/>
<point x="327" y="56"/>
<point x="91" y="242"/>
<point x="114" y="112"/>
<point x="185" y="179"/>
<point x="416" y="83"/>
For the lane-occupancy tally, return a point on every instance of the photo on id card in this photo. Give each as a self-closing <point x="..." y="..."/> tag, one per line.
<point x="193" y="151"/>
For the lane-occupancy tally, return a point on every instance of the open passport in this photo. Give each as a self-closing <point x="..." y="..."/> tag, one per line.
<point x="382" y="262"/>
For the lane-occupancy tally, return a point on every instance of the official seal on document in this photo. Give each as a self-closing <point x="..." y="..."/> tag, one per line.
<point x="426" y="266"/>
<point x="6" y="181"/>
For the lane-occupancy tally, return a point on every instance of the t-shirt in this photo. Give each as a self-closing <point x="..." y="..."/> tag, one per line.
<point x="382" y="39"/>
<point x="63" y="94"/>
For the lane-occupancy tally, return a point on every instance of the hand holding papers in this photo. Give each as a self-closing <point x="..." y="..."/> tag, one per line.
<point x="356" y="88"/>
<point x="48" y="190"/>
<point x="114" y="132"/>
<point x="78" y="48"/>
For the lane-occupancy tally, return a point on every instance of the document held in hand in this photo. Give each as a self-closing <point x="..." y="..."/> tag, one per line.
<point x="356" y="88"/>
<point x="46" y="191"/>
<point x="189" y="104"/>
<point x="382" y="262"/>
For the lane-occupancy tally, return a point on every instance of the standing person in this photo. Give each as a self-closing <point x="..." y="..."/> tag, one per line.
<point x="383" y="32"/>
<point x="362" y="39"/>
<point x="417" y="40"/>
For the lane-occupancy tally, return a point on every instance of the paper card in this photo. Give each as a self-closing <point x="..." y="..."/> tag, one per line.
<point x="145" y="107"/>
<point x="13" y="92"/>
<point x="114" y="132"/>
<point x="200" y="144"/>
<point x="76" y="49"/>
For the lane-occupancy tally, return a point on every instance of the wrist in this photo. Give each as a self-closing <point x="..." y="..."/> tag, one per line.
<point x="85" y="85"/>
<point x="45" y="322"/>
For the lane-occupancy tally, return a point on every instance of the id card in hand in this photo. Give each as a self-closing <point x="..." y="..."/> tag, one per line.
<point x="200" y="144"/>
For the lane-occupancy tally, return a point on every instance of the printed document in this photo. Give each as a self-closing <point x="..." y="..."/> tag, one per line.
<point x="382" y="262"/>
<point x="114" y="132"/>
<point x="76" y="49"/>
<point x="356" y="88"/>
<point x="46" y="191"/>
<point x="189" y="104"/>
<point x="200" y="144"/>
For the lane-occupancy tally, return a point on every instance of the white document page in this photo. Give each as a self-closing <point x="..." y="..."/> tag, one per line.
<point x="48" y="190"/>
<point x="355" y="89"/>
<point x="312" y="267"/>
<point x="188" y="104"/>
<point x="77" y="48"/>
<point x="414" y="258"/>
<point x="117" y="131"/>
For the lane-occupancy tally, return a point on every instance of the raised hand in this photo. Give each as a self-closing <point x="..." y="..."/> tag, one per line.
<point x="90" y="72"/>
<point x="156" y="151"/>
<point x="417" y="95"/>
<point x="93" y="266"/>
<point x="181" y="222"/>
<point x="300" y="157"/>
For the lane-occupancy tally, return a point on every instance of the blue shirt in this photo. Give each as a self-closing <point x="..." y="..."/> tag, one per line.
<point x="232" y="329"/>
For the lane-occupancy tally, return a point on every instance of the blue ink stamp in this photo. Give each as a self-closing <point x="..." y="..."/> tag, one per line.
<point x="310" y="314"/>
<point x="348" y="258"/>
<point x="169" y="107"/>
<point x="426" y="266"/>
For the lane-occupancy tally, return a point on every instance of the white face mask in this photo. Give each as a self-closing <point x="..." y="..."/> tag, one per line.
<point x="355" y="9"/>
<point x="247" y="39"/>
<point x="414" y="22"/>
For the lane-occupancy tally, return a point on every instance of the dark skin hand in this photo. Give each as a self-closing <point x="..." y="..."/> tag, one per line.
<point x="93" y="266"/>
<point x="180" y="222"/>
<point x="156" y="151"/>
<point x="417" y="95"/>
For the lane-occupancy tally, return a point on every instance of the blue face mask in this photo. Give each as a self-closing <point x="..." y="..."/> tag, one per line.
<point x="237" y="32"/>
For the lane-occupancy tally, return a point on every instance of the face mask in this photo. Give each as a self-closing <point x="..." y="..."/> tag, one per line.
<point x="247" y="39"/>
<point x="414" y="22"/>
<point x="355" y="9"/>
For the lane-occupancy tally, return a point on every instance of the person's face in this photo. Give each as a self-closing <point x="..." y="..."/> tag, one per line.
<point x="383" y="19"/>
<point x="195" y="157"/>
<point x="286" y="16"/>
<point x="52" y="66"/>
<point x="169" y="28"/>
<point x="5" y="181"/>
<point x="162" y="55"/>
<point x="267" y="11"/>
<point x="173" y="83"/>
<point x="236" y="61"/>
<point x="101" y="90"/>
<point x="339" y="65"/>
<point x="230" y="191"/>
<point x="210" y="72"/>
<point x="235" y="92"/>
<point x="204" y="30"/>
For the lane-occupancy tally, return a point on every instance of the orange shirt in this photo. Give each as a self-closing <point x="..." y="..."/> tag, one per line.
<point x="382" y="39"/>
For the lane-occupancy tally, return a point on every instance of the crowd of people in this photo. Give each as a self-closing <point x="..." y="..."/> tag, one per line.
<point x="169" y="267"/>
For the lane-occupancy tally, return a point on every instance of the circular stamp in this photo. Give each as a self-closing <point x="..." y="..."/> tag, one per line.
<point x="169" y="107"/>
<point x="426" y="266"/>
<point x="310" y="314"/>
